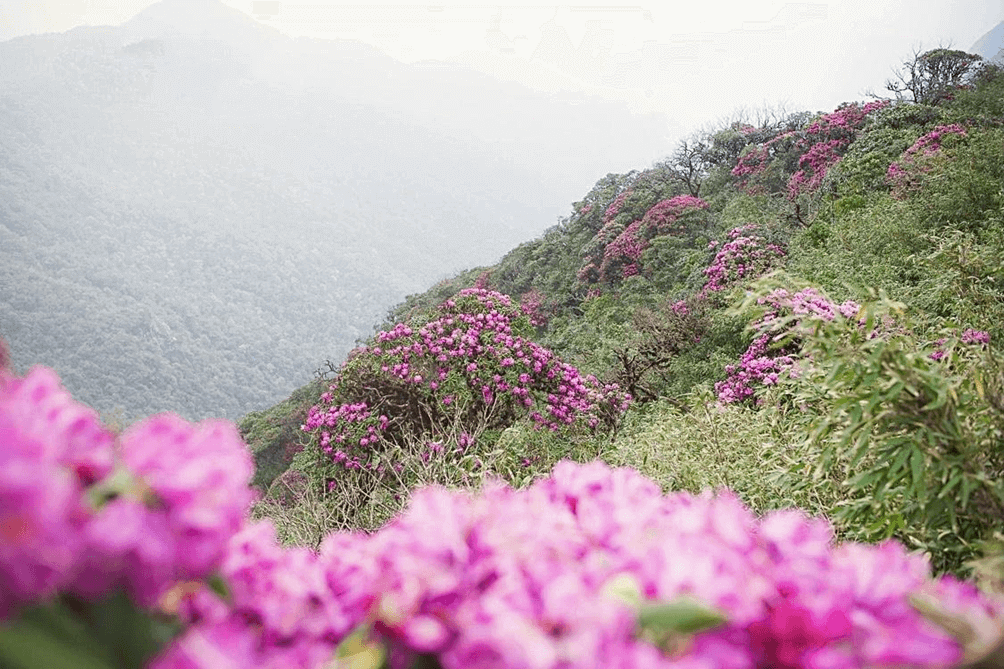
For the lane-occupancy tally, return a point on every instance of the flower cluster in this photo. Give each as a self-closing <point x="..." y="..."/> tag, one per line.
<point x="815" y="162"/>
<point x="766" y="360"/>
<point x="663" y="217"/>
<point x="622" y="252"/>
<point x="560" y="575"/>
<point x="744" y="256"/>
<point x="470" y="364"/>
<point x="901" y="173"/>
<point x="970" y="337"/>
<point x="81" y="513"/>
<point x="532" y="304"/>
<point x="281" y="613"/>
<point x="756" y="158"/>
<point x="615" y="206"/>
<point x="591" y="566"/>
<point x="484" y="279"/>
<point x="824" y="143"/>
<point x="847" y="119"/>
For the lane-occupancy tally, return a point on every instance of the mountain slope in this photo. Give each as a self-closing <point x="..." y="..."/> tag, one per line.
<point x="808" y="312"/>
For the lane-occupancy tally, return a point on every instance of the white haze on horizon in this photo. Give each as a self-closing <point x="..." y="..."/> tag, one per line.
<point x="696" y="64"/>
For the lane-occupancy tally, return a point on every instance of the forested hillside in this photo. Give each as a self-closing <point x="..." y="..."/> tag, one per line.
<point x="805" y="308"/>
<point x="196" y="211"/>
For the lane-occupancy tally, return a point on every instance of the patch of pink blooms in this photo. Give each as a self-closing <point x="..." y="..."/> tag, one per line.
<point x="624" y="251"/>
<point x="84" y="512"/>
<point x="821" y="145"/>
<point x="763" y="364"/>
<point x="552" y="576"/>
<point x="847" y="119"/>
<point x="744" y="256"/>
<point x="813" y="165"/>
<point x="970" y="337"/>
<point x="532" y="303"/>
<point x="824" y="143"/>
<point x="470" y="343"/>
<point x="548" y="577"/>
<point x="615" y="206"/>
<point x="900" y="173"/>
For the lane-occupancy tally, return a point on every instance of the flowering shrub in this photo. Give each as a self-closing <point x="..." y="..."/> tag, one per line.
<point x="902" y="174"/>
<point x="469" y="369"/>
<point x="825" y="142"/>
<point x="532" y="304"/>
<point x="911" y="439"/>
<point x="744" y="256"/>
<point x="755" y="159"/>
<point x="971" y="336"/>
<point x="615" y="206"/>
<point x="483" y="281"/>
<point x="618" y="249"/>
<point x="814" y="149"/>
<point x="815" y="162"/>
<point x="773" y="351"/>
<point x="591" y="566"/>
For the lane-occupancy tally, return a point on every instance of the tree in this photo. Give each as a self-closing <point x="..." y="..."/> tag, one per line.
<point x="690" y="163"/>
<point x="930" y="77"/>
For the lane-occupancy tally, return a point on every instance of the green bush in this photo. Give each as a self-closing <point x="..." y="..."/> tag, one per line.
<point x="909" y="436"/>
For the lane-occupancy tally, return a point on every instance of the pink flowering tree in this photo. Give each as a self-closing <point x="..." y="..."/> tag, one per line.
<point x="617" y="250"/>
<point x="441" y="385"/>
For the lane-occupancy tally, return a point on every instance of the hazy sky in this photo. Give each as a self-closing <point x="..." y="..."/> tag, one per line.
<point x="695" y="61"/>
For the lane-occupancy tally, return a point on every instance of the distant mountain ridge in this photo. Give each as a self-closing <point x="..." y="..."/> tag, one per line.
<point x="196" y="210"/>
<point x="991" y="45"/>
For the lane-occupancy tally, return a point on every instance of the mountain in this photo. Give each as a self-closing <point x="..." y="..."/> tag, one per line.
<point x="196" y="211"/>
<point x="991" y="45"/>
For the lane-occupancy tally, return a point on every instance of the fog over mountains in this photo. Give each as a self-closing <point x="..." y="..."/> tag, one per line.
<point x="196" y="211"/>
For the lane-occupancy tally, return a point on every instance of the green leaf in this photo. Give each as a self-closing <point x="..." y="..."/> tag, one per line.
<point x="680" y="616"/>
<point x="219" y="586"/>
<point x="952" y="482"/>
<point x="917" y="462"/>
<point x="900" y="460"/>
<point x="50" y="637"/>
<point x="132" y="634"/>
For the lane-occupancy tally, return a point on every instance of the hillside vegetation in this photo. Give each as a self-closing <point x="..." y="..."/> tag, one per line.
<point x="805" y="308"/>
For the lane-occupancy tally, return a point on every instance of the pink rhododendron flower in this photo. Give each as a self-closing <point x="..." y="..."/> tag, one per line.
<point x="51" y="447"/>
<point x="763" y="364"/>
<point x="744" y="256"/>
